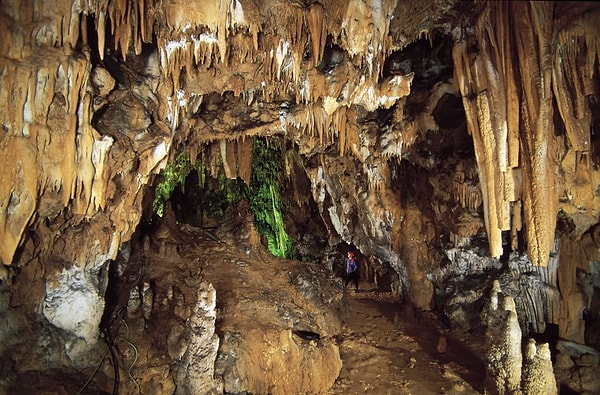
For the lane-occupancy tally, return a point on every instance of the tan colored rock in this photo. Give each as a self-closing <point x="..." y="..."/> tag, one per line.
<point x="538" y="374"/>
<point x="81" y="150"/>
<point x="102" y="80"/>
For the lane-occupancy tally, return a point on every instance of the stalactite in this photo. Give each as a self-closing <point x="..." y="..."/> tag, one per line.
<point x="468" y="195"/>
<point x="539" y="144"/>
<point x="367" y="36"/>
<point x="230" y="157"/>
<point x="72" y="33"/>
<point x="118" y="13"/>
<point x="137" y="25"/>
<point x="82" y="190"/>
<point x="244" y="160"/>
<point x="72" y="78"/>
<point x="317" y="31"/>
<point x="221" y="32"/>
<point x="204" y="49"/>
<point x="377" y="174"/>
<point x="280" y="55"/>
<point x="15" y="101"/>
<point x="297" y="54"/>
<point x="340" y="122"/>
<point x="101" y="31"/>
<point x="227" y="167"/>
<point x="100" y="183"/>
<point x="19" y="188"/>
<point x="145" y="22"/>
<point x="536" y="293"/>
<point x="214" y="154"/>
<point x="242" y="47"/>
<point x="578" y="49"/>
<point x="468" y="86"/>
<point x="321" y="123"/>
<point x="510" y="116"/>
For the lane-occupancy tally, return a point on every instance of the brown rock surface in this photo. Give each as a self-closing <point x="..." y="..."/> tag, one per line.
<point x="423" y="134"/>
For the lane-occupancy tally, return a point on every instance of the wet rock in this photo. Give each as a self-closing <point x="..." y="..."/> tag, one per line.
<point x="102" y="81"/>
<point x="507" y="370"/>
<point x="577" y="367"/>
<point x="538" y="374"/>
<point x="73" y="303"/>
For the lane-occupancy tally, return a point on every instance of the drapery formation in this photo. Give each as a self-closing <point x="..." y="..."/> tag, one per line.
<point x="525" y="66"/>
<point x="56" y="158"/>
<point x="510" y="73"/>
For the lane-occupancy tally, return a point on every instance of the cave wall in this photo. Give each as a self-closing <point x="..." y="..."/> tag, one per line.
<point x="533" y="134"/>
<point x="97" y="97"/>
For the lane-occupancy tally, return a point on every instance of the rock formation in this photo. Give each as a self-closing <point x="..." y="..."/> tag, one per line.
<point x="538" y="375"/>
<point x="508" y="371"/>
<point x="449" y="142"/>
<point x="577" y="366"/>
<point x="503" y="343"/>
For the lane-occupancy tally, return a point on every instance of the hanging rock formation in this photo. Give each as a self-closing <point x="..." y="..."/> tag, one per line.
<point x="422" y="133"/>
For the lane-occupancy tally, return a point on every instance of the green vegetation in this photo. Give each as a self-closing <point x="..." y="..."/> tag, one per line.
<point x="173" y="175"/>
<point x="215" y="195"/>
<point x="264" y="198"/>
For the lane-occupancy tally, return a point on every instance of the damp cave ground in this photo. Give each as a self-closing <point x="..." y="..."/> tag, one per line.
<point x="388" y="350"/>
<point x="385" y="347"/>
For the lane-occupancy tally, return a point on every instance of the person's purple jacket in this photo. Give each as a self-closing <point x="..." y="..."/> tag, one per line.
<point x="351" y="265"/>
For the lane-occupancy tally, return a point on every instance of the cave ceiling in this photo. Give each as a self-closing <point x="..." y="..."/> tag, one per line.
<point x="97" y="96"/>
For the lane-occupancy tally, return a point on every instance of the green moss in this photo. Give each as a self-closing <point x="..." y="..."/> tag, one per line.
<point x="220" y="193"/>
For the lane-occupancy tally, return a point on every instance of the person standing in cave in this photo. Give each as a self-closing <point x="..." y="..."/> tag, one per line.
<point x="352" y="272"/>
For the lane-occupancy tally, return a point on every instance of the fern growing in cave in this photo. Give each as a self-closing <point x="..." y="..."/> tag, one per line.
<point x="216" y="194"/>
<point x="221" y="192"/>
<point x="265" y="201"/>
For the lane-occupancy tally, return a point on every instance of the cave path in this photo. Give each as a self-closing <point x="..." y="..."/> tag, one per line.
<point x="384" y="352"/>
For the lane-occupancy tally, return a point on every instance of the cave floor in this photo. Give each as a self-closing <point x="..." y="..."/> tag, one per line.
<point x="385" y="347"/>
<point x="388" y="351"/>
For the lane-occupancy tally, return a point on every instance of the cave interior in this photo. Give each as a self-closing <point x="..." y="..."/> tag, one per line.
<point x="176" y="172"/>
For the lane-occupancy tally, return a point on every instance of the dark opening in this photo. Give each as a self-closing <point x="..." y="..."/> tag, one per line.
<point x="449" y="112"/>
<point x="549" y="336"/>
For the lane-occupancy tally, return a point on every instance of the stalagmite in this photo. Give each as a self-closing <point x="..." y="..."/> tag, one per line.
<point x="538" y="375"/>
<point x="508" y="371"/>
<point x="503" y="346"/>
<point x="97" y="96"/>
